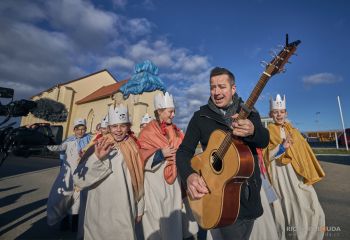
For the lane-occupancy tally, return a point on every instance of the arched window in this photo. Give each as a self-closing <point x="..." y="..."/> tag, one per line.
<point x="90" y="121"/>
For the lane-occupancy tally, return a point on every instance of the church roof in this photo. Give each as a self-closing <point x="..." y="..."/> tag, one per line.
<point x="102" y="92"/>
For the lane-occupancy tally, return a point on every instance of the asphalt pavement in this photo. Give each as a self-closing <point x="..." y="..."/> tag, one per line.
<point x="25" y="184"/>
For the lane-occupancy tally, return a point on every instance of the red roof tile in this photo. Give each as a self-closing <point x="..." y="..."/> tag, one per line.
<point x="102" y="92"/>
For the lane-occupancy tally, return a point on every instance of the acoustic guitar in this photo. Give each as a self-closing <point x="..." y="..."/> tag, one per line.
<point x="227" y="162"/>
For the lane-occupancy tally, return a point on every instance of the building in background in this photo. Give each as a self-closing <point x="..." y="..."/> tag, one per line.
<point x="266" y="121"/>
<point x="90" y="96"/>
<point x="323" y="136"/>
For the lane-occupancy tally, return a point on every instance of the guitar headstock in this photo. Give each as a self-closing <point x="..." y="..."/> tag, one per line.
<point x="277" y="64"/>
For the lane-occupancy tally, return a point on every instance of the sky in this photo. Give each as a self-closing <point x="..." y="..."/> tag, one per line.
<point x="43" y="43"/>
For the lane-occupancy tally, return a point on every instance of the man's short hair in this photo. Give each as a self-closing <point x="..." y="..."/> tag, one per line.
<point x="220" y="71"/>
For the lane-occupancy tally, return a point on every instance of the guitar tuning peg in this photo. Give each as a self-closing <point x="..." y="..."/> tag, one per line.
<point x="273" y="53"/>
<point x="280" y="47"/>
<point x="264" y="64"/>
<point x="283" y="70"/>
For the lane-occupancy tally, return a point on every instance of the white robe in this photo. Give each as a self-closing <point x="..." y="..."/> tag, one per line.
<point x="264" y="227"/>
<point x="162" y="218"/>
<point x="111" y="208"/>
<point x="298" y="214"/>
<point x="72" y="157"/>
<point x="60" y="198"/>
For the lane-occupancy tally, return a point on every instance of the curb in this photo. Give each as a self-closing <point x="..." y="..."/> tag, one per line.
<point x="335" y="154"/>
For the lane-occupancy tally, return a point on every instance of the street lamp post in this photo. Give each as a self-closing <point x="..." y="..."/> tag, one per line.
<point x="342" y="121"/>
<point x="318" y="120"/>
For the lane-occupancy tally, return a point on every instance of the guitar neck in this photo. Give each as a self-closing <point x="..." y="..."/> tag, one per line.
<point x="275" y="66"/>
<point x="249" y="104"/>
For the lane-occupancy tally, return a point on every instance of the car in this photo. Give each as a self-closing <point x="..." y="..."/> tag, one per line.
<point x="341" y="138"/>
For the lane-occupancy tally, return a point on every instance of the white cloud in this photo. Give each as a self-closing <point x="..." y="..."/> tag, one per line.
<point x="173" y="76"/>
<point x="40" y="42"/>
<point x="164" y="55"/>
<point x="149" y="4"/>
<point x="33" y="55"/>
<point x="159" y="52"/>
<point x="29" y="42"/>
<point x="28" y="10"/>
<point x="186" y="75"/>
<point x="117" y="61"/>
<point x="48" y="42"/>
<point x="21" y="89"/>
<point x="188" y="99"/>
<point x="87" y="25"/>
<point x="189" y="63"/>
<point x="140" y="50"/>
<point x="119" y="3"/>
<point x="137" y="27"/>
<point x="80" y="15"/>
<point x="322" y="78"/>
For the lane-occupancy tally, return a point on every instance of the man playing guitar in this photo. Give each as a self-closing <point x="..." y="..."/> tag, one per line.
<point x="221" y="112"/>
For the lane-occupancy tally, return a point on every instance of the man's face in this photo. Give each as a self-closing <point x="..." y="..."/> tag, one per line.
<point x="119" y="131"/>
<point x="79" y="131"/>
<point x="166" y="115"/>
<point x="279" y="116"/>
<point x="221" y="91"/>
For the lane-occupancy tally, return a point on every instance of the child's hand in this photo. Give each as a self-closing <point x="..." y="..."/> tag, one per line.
<point x="102" y="147"/>
<point x="287" y="142"/>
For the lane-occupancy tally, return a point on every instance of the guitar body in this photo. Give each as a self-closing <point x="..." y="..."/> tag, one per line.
<point x="220" y="207"/>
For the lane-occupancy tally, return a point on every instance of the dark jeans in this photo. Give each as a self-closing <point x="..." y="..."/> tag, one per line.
<point x="241" y="230"/>
<point x="70" y="222"/>
<point x="202" y="233"/>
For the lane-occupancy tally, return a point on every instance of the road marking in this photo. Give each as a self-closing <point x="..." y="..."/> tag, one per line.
<point x="328" y="154"/>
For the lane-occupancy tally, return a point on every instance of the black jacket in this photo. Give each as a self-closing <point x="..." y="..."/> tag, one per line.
<point x="200" y="127"/>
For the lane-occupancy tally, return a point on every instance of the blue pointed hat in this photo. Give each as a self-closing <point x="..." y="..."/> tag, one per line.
<point x="144" y="79"/>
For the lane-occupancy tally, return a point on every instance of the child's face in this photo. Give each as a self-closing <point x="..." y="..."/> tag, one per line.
<point x="279" y="116"/>
<point x="166" y="115"/>
<point x="119" y="131"/>
<point x="103" y="130"/>
<point x="79" y="131"/>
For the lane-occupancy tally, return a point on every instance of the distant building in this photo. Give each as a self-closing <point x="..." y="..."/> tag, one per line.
<point x="319" y="136"/>
<point x="323" y="136"/>
<point x="89" y="97"/>
<point x="266" y="120"/>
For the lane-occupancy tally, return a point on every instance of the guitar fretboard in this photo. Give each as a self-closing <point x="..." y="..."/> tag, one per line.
<point x="249" y="104"/>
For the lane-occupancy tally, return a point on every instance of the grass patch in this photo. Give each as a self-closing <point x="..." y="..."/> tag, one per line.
<point x="330" y="151"/>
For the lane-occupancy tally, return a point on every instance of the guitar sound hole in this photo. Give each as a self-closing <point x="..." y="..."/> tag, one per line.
<point x="216" y="162"/>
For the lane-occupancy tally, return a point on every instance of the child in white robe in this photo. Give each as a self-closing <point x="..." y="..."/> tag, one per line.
<point x="111" y="173"/>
